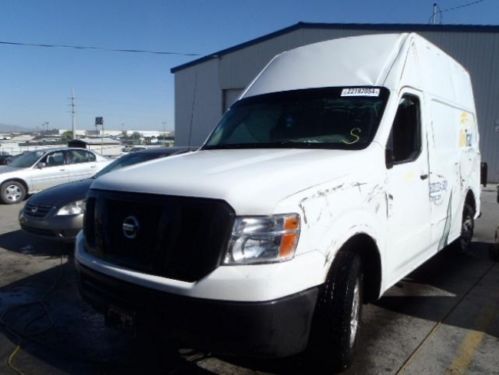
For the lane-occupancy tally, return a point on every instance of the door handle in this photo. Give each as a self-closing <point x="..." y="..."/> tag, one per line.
<point x="424" y="176"/>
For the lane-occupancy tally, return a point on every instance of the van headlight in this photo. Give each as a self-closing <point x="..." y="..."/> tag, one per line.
<point x="263" y="239"/>
<point x="73" y="208"/>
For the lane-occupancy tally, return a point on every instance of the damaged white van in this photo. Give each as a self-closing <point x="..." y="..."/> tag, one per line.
<point x="344" y="166"/>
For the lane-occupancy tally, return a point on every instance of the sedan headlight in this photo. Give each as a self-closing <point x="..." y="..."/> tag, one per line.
<point x="73" y="208"/>
<point x="263" y="239"/>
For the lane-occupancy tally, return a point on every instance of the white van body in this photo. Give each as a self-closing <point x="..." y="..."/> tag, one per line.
<point x="404" y="212"/>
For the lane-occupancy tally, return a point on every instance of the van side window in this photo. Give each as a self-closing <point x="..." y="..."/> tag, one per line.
<point x="405" y="137"/>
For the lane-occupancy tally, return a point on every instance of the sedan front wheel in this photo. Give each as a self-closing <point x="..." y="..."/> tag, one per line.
<point x="12" y="192"/>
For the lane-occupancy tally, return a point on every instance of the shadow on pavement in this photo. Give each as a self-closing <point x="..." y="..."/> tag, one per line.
<point x="72" y="337"/>
<point x="44" y="313"/>
<point x="21" y="242"/>
<point x="431" y="291"/>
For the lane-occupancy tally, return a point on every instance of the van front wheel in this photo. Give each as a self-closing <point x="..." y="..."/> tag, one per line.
<point x="339" y="312"/>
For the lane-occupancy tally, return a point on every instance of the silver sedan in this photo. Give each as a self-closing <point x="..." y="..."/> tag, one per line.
<point x="57" y="212"/>
<point x="34" y="171"/>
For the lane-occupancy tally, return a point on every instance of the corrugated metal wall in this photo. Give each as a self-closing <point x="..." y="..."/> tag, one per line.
<point x="201" y="99"/>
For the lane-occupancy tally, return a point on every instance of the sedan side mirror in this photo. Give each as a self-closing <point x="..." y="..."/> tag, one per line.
<point x="41" y="165"/>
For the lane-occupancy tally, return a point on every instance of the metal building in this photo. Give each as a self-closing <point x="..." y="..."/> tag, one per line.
<point x="206" y="87"/>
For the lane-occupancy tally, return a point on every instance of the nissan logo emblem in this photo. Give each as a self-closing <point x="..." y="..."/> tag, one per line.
<point x="130" y="227"/>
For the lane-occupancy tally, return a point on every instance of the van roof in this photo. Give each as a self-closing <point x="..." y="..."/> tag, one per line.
<point x="389" y="60"/>
<point x="352" y="61"/>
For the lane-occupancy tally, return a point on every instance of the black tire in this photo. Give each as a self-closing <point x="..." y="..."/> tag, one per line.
<point x="463" y="243"/>
<point x="339" y="310"/>
<point x="12" y="192"/>
<point x="494" y="249"/>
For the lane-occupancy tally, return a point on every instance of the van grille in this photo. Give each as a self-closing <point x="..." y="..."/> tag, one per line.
<point x="181" y="238"/>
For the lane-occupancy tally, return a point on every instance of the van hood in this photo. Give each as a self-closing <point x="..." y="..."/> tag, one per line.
<point x="252" y="181"/>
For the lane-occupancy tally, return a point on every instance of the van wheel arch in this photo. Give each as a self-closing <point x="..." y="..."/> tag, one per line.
<point x="367" y="248"/>
<point x="470" y="199"/>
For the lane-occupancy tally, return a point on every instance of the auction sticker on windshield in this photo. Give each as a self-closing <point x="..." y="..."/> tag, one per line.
<point x="360" y="91"/>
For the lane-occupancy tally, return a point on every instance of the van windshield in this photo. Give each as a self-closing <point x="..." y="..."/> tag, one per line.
<point x="333" y="118"/>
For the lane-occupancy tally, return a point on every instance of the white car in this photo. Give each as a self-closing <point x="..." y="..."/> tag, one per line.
<point x="34" y="171"/>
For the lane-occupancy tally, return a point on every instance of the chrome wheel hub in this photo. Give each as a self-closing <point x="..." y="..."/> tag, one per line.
<point x="13" y="193"/>
<point x="355" y="314"/>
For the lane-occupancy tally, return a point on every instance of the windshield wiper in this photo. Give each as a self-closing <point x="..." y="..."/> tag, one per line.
<point x="279" y="144"/>
<point x="232" y="146"/>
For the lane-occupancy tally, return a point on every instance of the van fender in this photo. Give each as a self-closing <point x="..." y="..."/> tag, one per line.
<point x="346" y="227"/>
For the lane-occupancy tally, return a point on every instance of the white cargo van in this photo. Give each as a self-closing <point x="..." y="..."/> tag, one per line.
<point x="344" y="166"/>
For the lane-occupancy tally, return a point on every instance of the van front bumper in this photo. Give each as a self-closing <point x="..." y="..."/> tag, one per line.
<point x="275" y="328"/>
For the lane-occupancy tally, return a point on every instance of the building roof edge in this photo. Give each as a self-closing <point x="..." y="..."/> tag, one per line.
<point x="390" y="27"/>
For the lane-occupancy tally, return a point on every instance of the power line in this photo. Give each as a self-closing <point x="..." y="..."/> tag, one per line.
<point x="437" y="11"/>
<point x="462" y="6"/>
<point x="152" y="52"/>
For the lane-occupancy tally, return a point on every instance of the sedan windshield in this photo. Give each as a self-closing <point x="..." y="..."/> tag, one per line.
<point x="26" y="160"/>
<point x="333" y="118"/>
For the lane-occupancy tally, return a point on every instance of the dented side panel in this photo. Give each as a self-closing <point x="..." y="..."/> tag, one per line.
<point x="333" y="212"/>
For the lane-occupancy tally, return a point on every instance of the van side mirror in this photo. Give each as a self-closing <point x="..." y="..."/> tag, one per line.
<point x="41" y="165"/>
<point x="483" y="174"/>
<point x="389" y="158"/>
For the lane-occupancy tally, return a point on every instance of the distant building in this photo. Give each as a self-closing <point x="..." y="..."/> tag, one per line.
<point x="105" y="133"/>
<point x="205" y="88"/>
<point x="146" y="133"/>
<point x="60" y="132"/>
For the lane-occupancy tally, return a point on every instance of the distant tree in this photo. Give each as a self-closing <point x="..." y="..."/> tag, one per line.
<point x="67" y="136"/>
<point x="136" y="135"/>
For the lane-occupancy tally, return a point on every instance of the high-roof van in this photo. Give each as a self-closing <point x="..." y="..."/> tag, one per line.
<point x="342" y="167"/>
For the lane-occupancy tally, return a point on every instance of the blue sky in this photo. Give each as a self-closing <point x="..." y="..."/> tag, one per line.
<point x="135" y="91"/>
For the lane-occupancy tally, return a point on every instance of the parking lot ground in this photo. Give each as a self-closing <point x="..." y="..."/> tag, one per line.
<point x="443" y="318"/>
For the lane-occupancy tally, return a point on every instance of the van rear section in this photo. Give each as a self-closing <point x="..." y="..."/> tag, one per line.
<point x="343" y="167"/>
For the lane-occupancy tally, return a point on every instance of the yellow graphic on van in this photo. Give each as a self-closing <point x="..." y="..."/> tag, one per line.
<point x="465" y="134"/>
<point x="464" y="118"/>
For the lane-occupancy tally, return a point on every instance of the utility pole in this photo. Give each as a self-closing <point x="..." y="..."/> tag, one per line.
<point x="434" y="15"/>
<point x="73" y="114"/>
